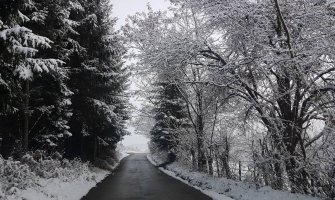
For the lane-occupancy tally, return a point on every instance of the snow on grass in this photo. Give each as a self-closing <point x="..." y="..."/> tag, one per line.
<point x="121" y="152"/>
<point x="151" y="160"/>
<point x="225" y="189"/>
<point x="212" y="194"/>
<point x="56" y="189"/>
<point x="49" y="178"/>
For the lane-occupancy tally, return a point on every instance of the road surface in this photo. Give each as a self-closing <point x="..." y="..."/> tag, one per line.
<point x="137" y="179"/>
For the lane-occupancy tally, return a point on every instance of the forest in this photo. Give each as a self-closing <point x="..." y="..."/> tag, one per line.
<point x="240" y="90"/>
<point x="62" y="80"/>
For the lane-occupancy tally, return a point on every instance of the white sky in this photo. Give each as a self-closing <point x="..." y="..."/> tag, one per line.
<point x="121" y="10"/>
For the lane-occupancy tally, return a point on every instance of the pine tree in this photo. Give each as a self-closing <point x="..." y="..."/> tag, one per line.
<point x="51" y="96"/>
<point x="170" y="118"/>
<point x="99" y="81"/>
<point x="20" y="65"/>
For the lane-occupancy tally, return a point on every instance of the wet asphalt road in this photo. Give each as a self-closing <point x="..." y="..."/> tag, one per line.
<point x="137" y="179"/>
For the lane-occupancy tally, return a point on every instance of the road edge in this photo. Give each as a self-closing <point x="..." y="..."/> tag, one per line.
<point x="114" y="168"/>
<point x="212" y="194"/>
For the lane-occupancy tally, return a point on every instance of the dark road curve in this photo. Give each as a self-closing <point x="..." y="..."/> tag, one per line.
<point x="137" y="179"/>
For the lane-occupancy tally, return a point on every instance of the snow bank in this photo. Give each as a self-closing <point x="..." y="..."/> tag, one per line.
<point x="121" y="152"/>
<point x="48" y="178"/>
<point x="225" y="189"/>
<point x="56" y="189"/>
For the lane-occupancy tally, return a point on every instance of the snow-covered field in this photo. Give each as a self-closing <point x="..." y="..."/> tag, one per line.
<point x="48" y="179"/>
<point x="224" y="189"/>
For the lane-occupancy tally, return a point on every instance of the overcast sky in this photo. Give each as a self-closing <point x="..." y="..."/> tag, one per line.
<point x="121" y="10"/>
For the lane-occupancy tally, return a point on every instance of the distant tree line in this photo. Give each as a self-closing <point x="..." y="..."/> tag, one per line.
<point x="62" y="79"/>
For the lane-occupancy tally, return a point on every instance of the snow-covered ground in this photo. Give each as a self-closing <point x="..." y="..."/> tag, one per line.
<point x="48" y="179"/>
<point x="57" y="189"/>
<point x="224" y="189"/>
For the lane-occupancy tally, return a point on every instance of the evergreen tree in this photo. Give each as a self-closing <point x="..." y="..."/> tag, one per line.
<point x="61" y="75"/>
<point x="21" y="64"/>
<point x="170" y="118"/>
<point x="51" y="94"/>
<point x="99" y="81"/>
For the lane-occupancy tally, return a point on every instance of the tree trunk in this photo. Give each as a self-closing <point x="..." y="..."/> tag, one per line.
<point x="298" y="179"/>
<point x="201" y="154"/>
<point x="95" y="148"/>
<point x="217" y="165"/>
<point x="278" y="184"/>
<point x="194" y="161"/>
<point x="201" y="158"/>
<point x="239" y="171"/>
<point x="25" y="138"/>
<point x="266" y="166"/>
<point x="225" y="161"/>
<point x="210" y="159"/>
<point x="210" y="166"/>
<point x="228" y="172"/>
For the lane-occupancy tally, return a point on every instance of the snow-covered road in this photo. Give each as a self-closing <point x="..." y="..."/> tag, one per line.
<point x="138" y="179"/>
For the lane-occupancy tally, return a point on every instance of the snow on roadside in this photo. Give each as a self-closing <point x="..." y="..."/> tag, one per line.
<point x="121" y="151"/>
<point x="49" y="179"/>
<point x="212" y="194"/>
<point x="225" y="189"/>
<point x="56" y="189"/>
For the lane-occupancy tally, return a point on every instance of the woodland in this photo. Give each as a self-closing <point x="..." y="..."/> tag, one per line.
<point x="62" y="80"/>
<point x="236" y="89"/>
<point x="241" y="89"/>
